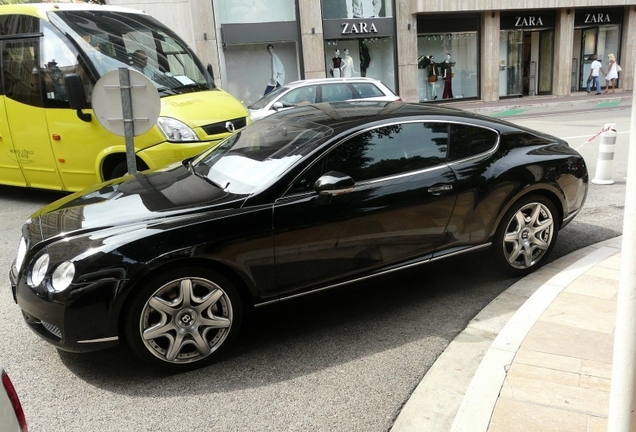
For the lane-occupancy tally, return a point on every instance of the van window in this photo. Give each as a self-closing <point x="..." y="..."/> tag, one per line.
<point x="59" y="58"/>
<point x="21" y="81"/>
<point x="114" y="40"/>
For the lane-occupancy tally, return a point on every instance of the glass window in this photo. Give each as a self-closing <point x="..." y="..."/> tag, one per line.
<point x="510" y="62"/>
<point x="59" y="58"/>
<point x="21" y="78"/>
<point x="336" y="92"/>
<point x="390" y="150"/>
<point x="448" y="65"/>
<point x="467" y="141"/>
<point x="255" y="11"/>
<point x="367" y="90"/>
<point x="340" y="9"/>
<point x="299" y="96"/>
<point x="370" y="57"/>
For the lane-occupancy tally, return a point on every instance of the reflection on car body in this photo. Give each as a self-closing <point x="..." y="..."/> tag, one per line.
<point x="304" y="200"/>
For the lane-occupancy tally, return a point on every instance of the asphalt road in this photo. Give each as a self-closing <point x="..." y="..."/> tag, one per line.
<point x="340" y="361"/>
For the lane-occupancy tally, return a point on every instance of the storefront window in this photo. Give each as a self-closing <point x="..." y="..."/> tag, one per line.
<point x="343" y="9"/>
<point x="254" y="11"/>
<point x="368" y="57"/>
<point x="250" y="68"/>
<point x="601" y="40"/>
<point x="448" y="65"/>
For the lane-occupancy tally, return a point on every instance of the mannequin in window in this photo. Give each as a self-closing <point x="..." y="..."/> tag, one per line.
<point x="365" y="58"/>
<point x="336" y="71"/>
<point x="363" y="8"/>
<point x="426" y="63"/>
<point x="347" y="65"/>
<point x="447" y="75"/>
<point x="278" y="71"/>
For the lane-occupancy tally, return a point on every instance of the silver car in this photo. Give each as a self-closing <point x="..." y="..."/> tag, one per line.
<point x="320" y="90"/>
<point x="11" y="414"/>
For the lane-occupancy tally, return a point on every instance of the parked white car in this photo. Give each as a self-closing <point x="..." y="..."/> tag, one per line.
<point x="320" y="90"/>
<point x="11" y="414"/>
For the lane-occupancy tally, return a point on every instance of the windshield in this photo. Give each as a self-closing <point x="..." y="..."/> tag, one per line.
<point x="113" y="40"/>
<point x="253" y="158"/>
<point x="269" y="97"/>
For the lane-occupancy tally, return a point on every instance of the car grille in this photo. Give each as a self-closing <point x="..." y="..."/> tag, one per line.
<point x="221" y="128"/>
<point x="55" y="330"/>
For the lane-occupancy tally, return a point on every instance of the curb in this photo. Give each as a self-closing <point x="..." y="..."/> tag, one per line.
<point x="460" y="390"/>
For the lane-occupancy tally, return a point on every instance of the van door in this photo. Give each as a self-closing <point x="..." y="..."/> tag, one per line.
<point x="26" y="115"/>
<point x="10" y="172"/>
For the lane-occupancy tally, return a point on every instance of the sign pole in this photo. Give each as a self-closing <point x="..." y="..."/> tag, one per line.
<point x="128" y="119"/>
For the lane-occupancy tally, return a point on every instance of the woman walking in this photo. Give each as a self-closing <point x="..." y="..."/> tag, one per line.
<point x="612" y="73"/>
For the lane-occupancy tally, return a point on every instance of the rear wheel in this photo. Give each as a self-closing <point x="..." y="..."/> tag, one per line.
<point x="527" y="235"/>
<point x="183" y="319"/>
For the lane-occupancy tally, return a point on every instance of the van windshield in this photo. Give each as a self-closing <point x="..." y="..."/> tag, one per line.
<point x="113" y="39"/>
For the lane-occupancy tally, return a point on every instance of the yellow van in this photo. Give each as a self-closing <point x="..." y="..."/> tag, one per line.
<point x="50" y="143"/>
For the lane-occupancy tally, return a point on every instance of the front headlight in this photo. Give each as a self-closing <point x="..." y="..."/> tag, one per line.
<point x="19" y="259"/>
<point x="177" y="131"/>
<point x="39" y="270"/>
<point x="63" y="276"/>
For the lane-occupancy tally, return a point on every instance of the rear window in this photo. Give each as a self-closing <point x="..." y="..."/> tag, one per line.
<point x="468" y="140"/>
<point x="367" y="90"/>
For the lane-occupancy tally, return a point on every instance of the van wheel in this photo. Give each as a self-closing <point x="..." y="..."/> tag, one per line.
<point x="121" y="169"/>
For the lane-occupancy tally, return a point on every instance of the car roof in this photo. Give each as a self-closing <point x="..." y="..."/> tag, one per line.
<point x="300" y="83"/>
<point x="341" y="116"/>
<point x="40" y="9"/>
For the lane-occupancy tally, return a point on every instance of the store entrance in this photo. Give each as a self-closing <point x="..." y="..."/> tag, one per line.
<point x="538" y="59"/>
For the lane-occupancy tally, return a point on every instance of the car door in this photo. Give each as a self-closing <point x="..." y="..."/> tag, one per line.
<point x="395" y="215"/>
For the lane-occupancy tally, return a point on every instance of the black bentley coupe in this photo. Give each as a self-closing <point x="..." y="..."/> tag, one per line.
<point x="169" y="261"/>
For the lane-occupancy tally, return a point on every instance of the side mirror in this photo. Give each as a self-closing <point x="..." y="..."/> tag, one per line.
<point x="277" y="105"/>
<point x="76" y="95"/>
<point x="334" y="183"/>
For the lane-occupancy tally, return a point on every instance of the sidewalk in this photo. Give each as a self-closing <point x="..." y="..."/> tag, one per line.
<point x="537" y="358"/>
<point x="542" y="105"/>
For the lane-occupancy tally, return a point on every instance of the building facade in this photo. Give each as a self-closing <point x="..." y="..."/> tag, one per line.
<point x="425" y="50"/>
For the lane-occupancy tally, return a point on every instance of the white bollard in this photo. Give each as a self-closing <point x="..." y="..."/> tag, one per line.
<point x="606" y="156"/>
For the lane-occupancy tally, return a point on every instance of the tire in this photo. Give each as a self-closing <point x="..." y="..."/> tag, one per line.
<point x="120" y="170"/>
<point x="183" y="319"/>
<point x="526" y="235"/>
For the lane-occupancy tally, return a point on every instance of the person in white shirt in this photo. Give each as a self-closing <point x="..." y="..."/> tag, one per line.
<point x="278" y="71"/>
<point x="595" y="67"/>
<point x="363" y="8"/>
<point x="140" y="63"/>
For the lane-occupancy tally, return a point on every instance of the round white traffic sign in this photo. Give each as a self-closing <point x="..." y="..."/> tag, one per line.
<point x="107" y="102"/>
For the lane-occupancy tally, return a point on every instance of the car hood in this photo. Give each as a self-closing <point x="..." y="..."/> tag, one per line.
<point x="203" y="108"/>
<point x="143" y="198"/>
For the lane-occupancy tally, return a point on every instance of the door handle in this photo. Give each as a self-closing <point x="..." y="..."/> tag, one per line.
<point x="441" y="189"/>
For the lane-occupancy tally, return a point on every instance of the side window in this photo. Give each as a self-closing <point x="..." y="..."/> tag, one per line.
<point x="336" y="92"/>
<point x="390" y="150"/>
<point x="467" y="141"/>
<point x="59" y="58"/>
<point x="299" y="96"/>
<point x="367" y="90"/>
<point x="21" y="81"/>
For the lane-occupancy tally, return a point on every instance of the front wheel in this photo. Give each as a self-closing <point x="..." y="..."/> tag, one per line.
<point x="183" y="319"/>
<point x="527" y="235"/>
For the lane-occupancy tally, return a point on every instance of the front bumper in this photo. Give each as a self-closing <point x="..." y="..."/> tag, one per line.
<point x="79" y="320"/>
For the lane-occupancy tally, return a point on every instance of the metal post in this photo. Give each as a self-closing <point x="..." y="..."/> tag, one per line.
<point x="605" y="160"/>
<point x="129" y="119"/>
<point x="532" y="90"/>
<point x="622" y="409"/>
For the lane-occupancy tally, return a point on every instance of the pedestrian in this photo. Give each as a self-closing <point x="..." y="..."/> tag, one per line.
<point x="595" y="67"/>
<point x="612" y="73"/>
